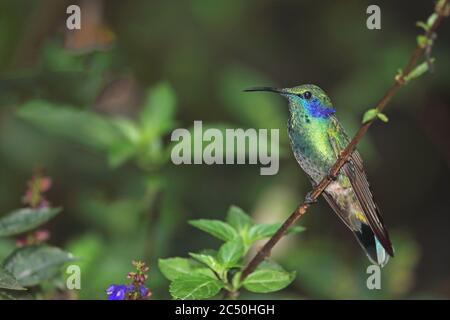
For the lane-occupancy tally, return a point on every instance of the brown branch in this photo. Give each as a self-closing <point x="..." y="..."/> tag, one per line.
<point x="345" y="154"/>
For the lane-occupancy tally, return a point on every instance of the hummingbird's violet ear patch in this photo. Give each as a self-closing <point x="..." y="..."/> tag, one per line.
<point x="317" y="110"/>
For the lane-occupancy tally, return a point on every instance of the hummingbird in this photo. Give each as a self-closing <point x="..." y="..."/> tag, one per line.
<point x="317" y="138"/>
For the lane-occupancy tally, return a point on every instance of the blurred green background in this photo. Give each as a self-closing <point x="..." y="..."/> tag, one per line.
<point x="94" y="108"/>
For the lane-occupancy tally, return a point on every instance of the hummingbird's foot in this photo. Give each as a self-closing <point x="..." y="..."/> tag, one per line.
<point x="331" y="176"/>
<point x="309" y="200"/>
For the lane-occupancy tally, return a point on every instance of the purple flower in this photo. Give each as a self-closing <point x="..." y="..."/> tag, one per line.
<point x="136" y="290"/>
<point x="117" y="292"/>
<point x="143" y="291"/>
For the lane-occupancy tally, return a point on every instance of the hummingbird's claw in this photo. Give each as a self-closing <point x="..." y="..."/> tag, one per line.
<point x="331" y="176"/>
<point x="309" y="200"/>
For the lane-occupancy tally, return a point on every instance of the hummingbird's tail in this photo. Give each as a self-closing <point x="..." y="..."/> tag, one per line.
<point x="373" y="248"/>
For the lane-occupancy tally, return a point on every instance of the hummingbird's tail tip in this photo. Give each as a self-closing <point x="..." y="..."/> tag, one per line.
<point x="376" y="252"/>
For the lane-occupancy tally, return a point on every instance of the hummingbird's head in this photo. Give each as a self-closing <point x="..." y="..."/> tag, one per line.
<point x="310" y="98"/>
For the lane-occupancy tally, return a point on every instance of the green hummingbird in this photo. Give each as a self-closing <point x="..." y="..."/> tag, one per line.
<point x="317" y="138"/>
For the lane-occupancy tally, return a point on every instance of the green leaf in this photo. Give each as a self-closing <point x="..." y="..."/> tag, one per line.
<point x="369" y="115"/>
<point x="217" y="228"/>
<point x="262" y="231"/>
<point x="173" y="268"/>
<point x="270" y="265"/>
<point x="33" y="264"/>
<point x="128" y="128"/>
<point x="382" y="117"/>
<point x="208" y="260"/>
<point x="431" y="19"/>
<point x="157" y="116"/>
<point x="6" y="294"/>
<point x="422" y="25"/>
<point x="231" y="252"/>
<point x="419" y="70"/>
<point x="194" y="286"/>
<point x="372" y="114"/>
<point x="237" y="218"/>
<point x="82" y="126"/>
<point x="7" y="281"/>
<point x="236" y="280"/>
<point x="268" y="280"/>
<point x="25" y="219"/>
<point x="422" y="40"/>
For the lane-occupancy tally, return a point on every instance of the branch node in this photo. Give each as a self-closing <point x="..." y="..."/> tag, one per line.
<point x="400" y="78"/>
<point x="442" y="8"/>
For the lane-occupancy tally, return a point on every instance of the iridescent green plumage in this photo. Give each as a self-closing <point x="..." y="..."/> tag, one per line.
<point x="317" y="138"/>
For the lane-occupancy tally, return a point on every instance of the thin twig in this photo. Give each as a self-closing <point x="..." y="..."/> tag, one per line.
<point x="344" y="155"/>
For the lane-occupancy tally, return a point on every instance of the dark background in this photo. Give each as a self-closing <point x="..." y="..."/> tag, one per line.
<point x="58" y="88"/>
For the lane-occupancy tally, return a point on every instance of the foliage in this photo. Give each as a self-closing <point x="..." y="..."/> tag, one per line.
<point x="206" y="273"/>
<point x="32" y="264"/>
<point x="119" y="137"/>
<point x="25" y="219"/>
<point x="106" y="146"/>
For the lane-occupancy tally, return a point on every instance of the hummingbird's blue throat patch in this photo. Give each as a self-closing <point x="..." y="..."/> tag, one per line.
<point x="316" y="109"/>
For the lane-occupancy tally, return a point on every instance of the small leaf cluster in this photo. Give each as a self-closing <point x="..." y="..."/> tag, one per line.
<point x="441" y="9"/>
<point x="427" y="25"/>
<point x="373" y="114"/>
<point x="142" y="139"/>
<point x="208" y="272"/>
<point x="32" y="262"/>
<point x="30" y="265"/>
<point x="424" y="42"/>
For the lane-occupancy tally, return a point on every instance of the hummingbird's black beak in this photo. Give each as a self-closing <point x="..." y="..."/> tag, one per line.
<point x="267" y="89"/>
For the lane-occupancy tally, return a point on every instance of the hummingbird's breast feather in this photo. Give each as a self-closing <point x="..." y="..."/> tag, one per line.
<point x="311" y="147"/>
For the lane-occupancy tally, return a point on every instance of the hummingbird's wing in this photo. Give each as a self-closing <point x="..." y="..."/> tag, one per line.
<point x="354" y="171"/>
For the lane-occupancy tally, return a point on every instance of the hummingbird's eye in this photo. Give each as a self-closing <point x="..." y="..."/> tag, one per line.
<point x="307" y="95"/>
